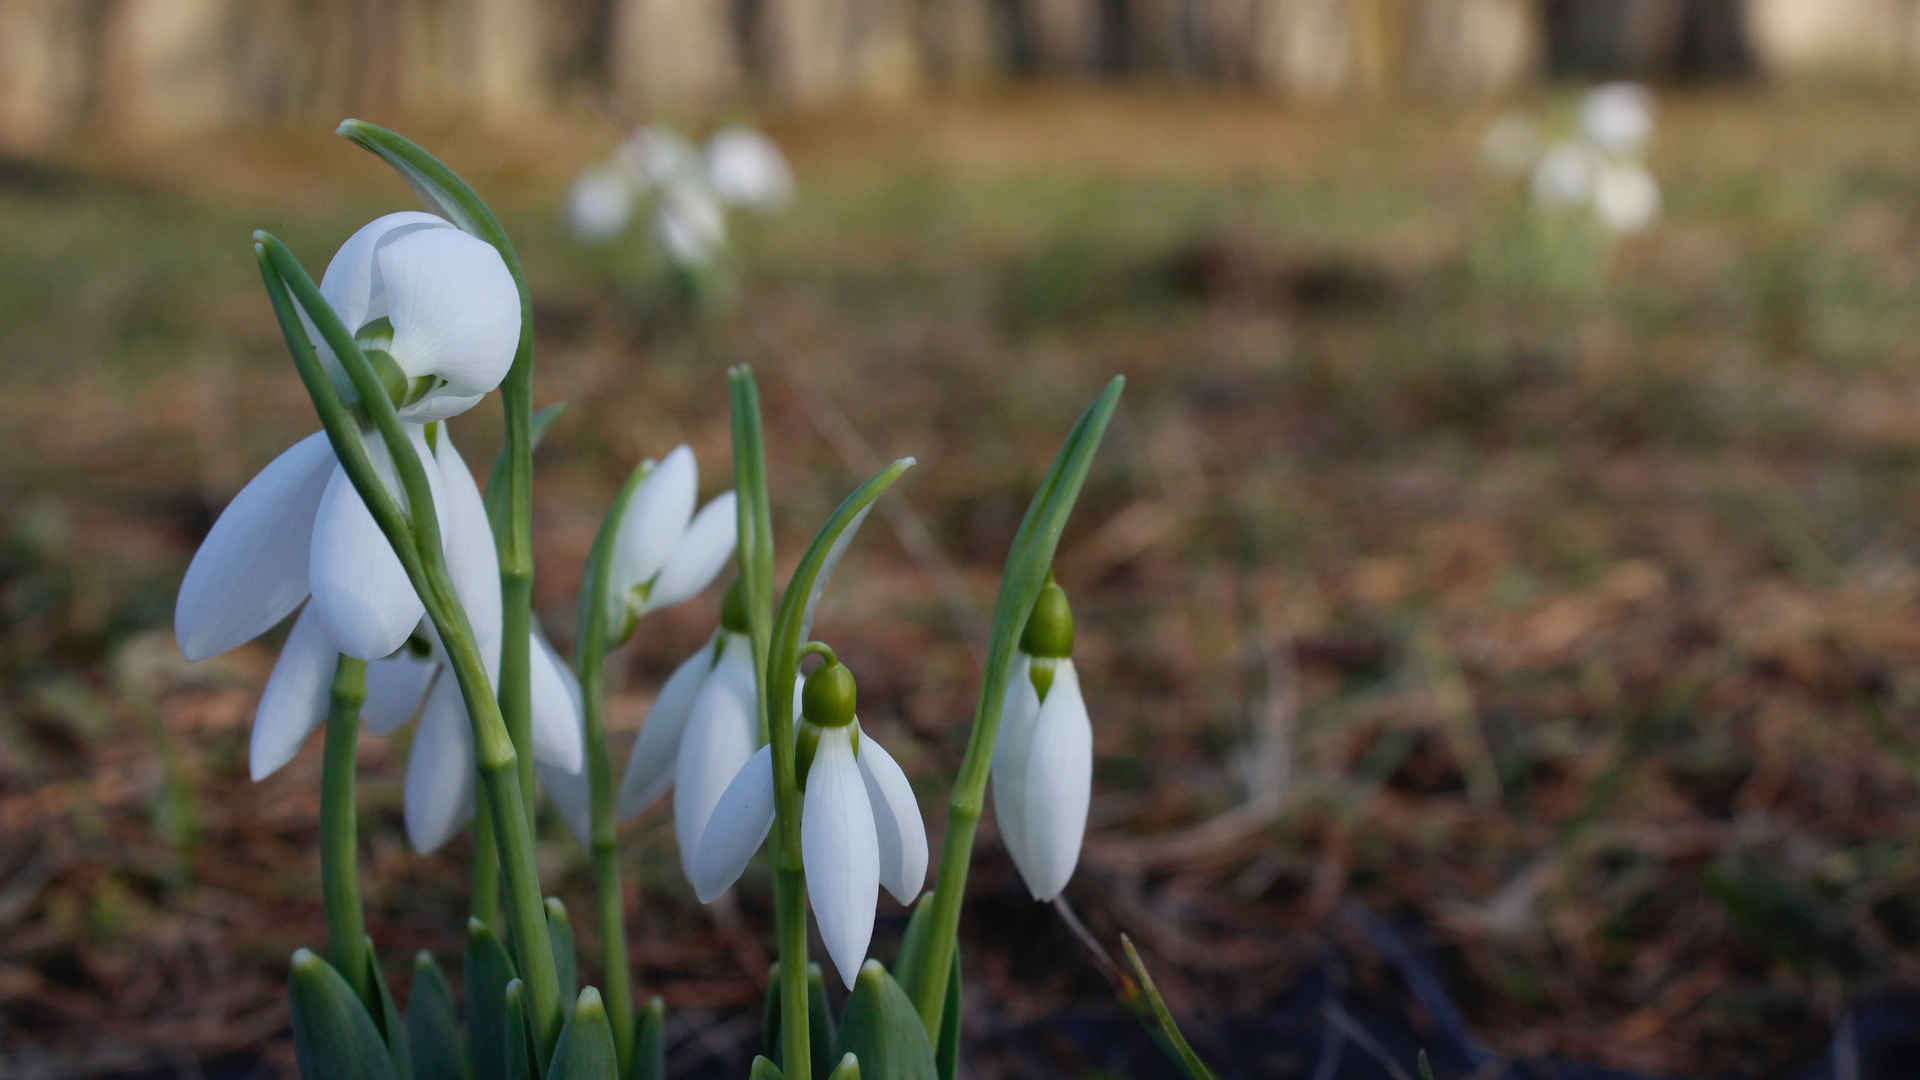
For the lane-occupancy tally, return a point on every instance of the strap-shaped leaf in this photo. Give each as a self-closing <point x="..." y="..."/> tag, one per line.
<point x="433" y="1028"/>
<point x="848" y="1069"/>
<point x="650" y="1043"/>
<point x="333" y="1036"/>
<point x="1154" y="1008"/>
<point x="820" y="1025"/>
<point x="585" y="1050"/>
<point x="946" y="1049"/>
<point x="487" y="972"/>
<point x="882" y="1029"/>
<point x="762" y="1069"/>
<point x="560" y="933"/>
<point x="516" y="1037"/>
<point x="392" y="1027"/>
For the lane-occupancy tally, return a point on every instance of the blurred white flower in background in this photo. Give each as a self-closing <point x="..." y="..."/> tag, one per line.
<point x="1564" y="175"/>
<point x="1617" y="117"/>
<point x="1595" y="166"/>
<point x="600" y="204"/>
<point x="656" y="156"/>
<point x="689" y="225"/>
<point x="746" y="169"/>
<point x="1626" y="197"/>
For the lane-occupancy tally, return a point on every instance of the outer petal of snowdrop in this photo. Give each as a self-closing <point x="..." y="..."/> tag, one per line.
<point x="655" y="517"/>
<point x="455" y="313"/>
<point x="739" y="825"/>
<point x="296" y="699"/>
<point x="1059" y="785"/>
<point x="897" y="825"/>
<point x="251" y="570"/>
<point x="440" y="780"/>
<point x="472" y="560"/>
<point x="840" y="852"/>
<point x="558" y="741"/>
<point x="394" y="689"/>
<point x="360" y="589"/>
<point x="650" y="766"/>
<point x="351" y="285"/>
<point x="705" y="548"/>
<point x="718" y="741"/>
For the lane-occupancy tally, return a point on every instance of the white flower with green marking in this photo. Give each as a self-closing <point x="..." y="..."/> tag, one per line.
<point x="860" y="826"/>
<point x="1043" y="759"/>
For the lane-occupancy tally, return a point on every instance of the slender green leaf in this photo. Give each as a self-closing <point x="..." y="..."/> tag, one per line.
<point x="440" y="188"/>
<point x="848" y="1069"/>
<point x="881" y="1028"/>
<point x="333" y="1036"/>
<point x="560" y="933"/>
<point x="754" y="515"/>
<point x="585" y="1050"/>
<point x="1176" y="1044"/>
<point x="650" y="1043"/>
<point x="515" y="1041"/>
<point x="820" y="1025"/>
<point x="433" y="1028"/>
<point x="1426" y="1067"/>
<point x="946" y="1049"/>
<point x="392" y="1027"/>
<point x="763" y="1069"/>
<point x="487" y="972"/>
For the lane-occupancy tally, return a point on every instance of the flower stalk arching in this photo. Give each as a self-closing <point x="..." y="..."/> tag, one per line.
<point x="589" y="665"/>
<point x="415" y="537"/>
<point x="339" y="833"/>
<point x="1029" y="563"/>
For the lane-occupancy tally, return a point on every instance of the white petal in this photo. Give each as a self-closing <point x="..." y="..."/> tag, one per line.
<point x="455" y="312"/>
<point x="897" y="825"/>
<point x="571" y="797"/>
<point x="440" y="780"/>
<point x="689" y="223"/>
<point x="655" y="156"/>
<point x="651" y="527"/>
<point x="718" y="740"/>
<point x="737" y="828"/>
<point x="467" y="538"/>
<point x="701" y="552"/>
<point x="351" y="284"/>
<point x="296" y="698"/>
<point x="363" y="595"/>
<point x="840" y="852"/>
<point x="827" y="565"/>
<point x="251" y="570"/>
<point x="650" y="765"/>
<point x="559" y="741"/>
<point x="745" y="167"/>
<point x="394" y="689"/>
<point x="600" y="203"/>
<point x="1058" y="786"/>
<point x="1011" y="750"/>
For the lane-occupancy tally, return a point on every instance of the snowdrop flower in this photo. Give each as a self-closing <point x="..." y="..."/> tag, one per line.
<point x="440" y="771"/>
<point x="600" y="203"/>
<point x="746" y="169"/>
<point x="663" y="552"/>
<point x="1617" y="117"/>
<point x="656" y="156"/>
<point x="1564" y="175"/>
<point x="1626" y="197"/>
<point x="1511" y="144"/>
<point x="689" y="224"/>
<point x="439" y="316"/>
<point x="1043" y="762"/>
<point x="860" y="827"/>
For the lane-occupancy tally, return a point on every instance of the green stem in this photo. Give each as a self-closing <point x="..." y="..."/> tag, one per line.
<point x="516" y="572"/>
<point x="606" y="861"/>
<point x="790" y="909"/>
<point x="339" y="834"/>
<point x="484" y="904"/>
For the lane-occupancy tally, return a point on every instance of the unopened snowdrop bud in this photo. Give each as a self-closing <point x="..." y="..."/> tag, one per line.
<point x="1043" y="762"/>
<point x="663" y="552"/>
<point x="860" y="827"/>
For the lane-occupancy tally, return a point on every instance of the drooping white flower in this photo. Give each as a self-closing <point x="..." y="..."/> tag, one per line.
<point x="860" y="826"/>
<point x="1043" y="760"/>
<point x="655" y="156"/>
<point x="600" y="203"/>
<point x="1617" y="117"/>
<point x="1626" y="197"/>
<point x="664" y="553"/>
<point x="689" y="224"/>
<point x="1564" y="175"/>
<point x="435" y="302"/>
<point x="745" y="168"/>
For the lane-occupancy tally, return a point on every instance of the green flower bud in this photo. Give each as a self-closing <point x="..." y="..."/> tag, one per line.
<point x="828" y="697"/>
<point x="1049" y="631"/>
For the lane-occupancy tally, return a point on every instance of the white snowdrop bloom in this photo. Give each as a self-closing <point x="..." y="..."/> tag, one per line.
<point x="655" y="156"/>
<point x="746" y="169"/>
<point x="600" y="203"/>
<point x="689" y="224"/>
<point x="438" y="312"/>
<point x="860" y="826"/>
<point x="1564" y="175"/>
<point x="440" y="771"/>
<point x="663" y="552"/>
<point x="1617" y="117"/>
<point x="1626" y="197"/>
<point x="434" y="308"/>
<point x="1511" y="144"/>
<point x="1043" y="761"/>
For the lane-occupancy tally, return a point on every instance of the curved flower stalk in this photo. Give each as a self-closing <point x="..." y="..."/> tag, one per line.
<point x="746" y="169"/>
<point x="427" y="302"/>
<point x="860" y="827"/>
<point x="1042" y="775"/>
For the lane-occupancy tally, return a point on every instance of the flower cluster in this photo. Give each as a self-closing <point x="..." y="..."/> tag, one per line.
<point x="688" y="190"/>
<point x="1599" y="166"/>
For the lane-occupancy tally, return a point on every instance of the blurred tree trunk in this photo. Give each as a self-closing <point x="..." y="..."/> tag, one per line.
<point x="1876" y="40"/>
<point x="673" y="52"/>
<point x="47" y="59"/>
